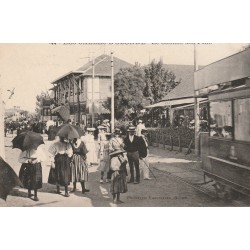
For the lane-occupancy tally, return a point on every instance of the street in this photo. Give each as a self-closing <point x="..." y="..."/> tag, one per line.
<point x="164" y="191"/>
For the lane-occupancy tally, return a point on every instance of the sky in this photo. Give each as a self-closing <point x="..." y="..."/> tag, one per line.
<point x="30" y="68"/>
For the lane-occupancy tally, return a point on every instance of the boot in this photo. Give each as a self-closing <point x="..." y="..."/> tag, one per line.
<point x="29" y="193"/>
<point x="35" y="195"/>
<point x="58" y="189"/>
<point x="84" y="190"/>
<point x="74" y="188"/>
<point x="66" y="191"/>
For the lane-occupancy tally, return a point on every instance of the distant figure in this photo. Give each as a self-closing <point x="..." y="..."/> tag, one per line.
<point x="89" y="141"/>
<point x="139" y="127"/>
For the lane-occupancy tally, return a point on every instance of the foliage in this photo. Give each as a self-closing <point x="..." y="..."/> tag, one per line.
<point x="137" y="87"/>
<point x="159" y="81"/>
<point x="129" y="85"/>
<point x="39" y="102"/>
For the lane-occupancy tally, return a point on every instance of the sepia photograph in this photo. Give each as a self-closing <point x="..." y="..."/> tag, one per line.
<point x="125" y="125"/>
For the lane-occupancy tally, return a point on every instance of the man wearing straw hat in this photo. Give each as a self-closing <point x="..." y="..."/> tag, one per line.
<point x="133" y="145"/>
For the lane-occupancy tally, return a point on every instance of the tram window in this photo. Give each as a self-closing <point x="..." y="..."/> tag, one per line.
<point x="221" y="119"/>
<point x="242" y="119"/>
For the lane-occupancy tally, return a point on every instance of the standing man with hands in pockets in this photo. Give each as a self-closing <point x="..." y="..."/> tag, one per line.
<point x="134" y="144"/>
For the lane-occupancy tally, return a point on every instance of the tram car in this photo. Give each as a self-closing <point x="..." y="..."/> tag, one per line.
<point x="225" y="149"/>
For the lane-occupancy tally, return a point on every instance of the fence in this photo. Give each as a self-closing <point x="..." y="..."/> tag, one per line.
<point x="172" y="138"/>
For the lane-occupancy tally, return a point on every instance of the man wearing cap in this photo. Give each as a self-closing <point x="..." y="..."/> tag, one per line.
<point x="133" y="145"/>
<point x="139" y="127"/>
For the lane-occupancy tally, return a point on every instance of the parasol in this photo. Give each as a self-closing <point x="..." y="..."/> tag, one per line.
<point x="8" y="179"/>
<point x="69" y="131"/>
<point x="79" y="130"/>
<point x="27" y="140"/>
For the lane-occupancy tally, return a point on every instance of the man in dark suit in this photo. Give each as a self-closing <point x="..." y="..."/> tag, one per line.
<point x="133" y="145"/>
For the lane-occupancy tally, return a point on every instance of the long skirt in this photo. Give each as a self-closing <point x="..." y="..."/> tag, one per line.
<point x="79" y="169"/>
<point x="118" y="182"/>
<point x="60" y="175"/>
<point x="31" y="175"/>
<point x="92" y="154"/>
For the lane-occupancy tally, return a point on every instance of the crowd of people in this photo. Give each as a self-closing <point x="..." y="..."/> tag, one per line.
<point x="70" y="159"/>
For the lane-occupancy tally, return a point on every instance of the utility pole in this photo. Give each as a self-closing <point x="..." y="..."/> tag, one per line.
<point x="196" y="109"/>
<point x="2" y="151"/>
<point x="112" y="95"/>
<point x="93" y="77"/>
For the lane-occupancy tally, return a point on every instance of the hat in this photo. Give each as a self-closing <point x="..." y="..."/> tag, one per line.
<point x="117" y="130"/>
<point x="131" y="128"/>
<point x="117" y="152"/>
<point x="140" y="121"/>
<point x="91" y="129"/>
<point x="144" y="130"/>
<point x="106" y="120"/>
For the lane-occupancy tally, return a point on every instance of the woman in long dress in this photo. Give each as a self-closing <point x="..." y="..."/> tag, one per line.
<point x="79" y="167"/>
<point x="61" y="153"/>
<point x="118" y="178"/>
<point x="103" y="152"/>
<point x="89" y="141"/>
<point x="30" y="172"/>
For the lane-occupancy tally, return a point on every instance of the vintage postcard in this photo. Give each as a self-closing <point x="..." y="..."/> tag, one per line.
<point x="124" y="125"/>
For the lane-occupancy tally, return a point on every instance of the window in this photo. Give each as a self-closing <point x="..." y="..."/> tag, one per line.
<point x="242" y="119"/>
<point x="221" y="119"/>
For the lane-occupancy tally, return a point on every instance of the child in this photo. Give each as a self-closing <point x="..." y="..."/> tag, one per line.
<point x="118" y="178"/>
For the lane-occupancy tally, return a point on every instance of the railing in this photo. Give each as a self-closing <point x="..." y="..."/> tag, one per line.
<point x="172" y="138"/>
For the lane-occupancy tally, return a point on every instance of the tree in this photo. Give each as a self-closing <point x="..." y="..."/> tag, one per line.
<point x="158" y="81"/>
<point x="39" y="103"/>
<point x="129" y="85"/>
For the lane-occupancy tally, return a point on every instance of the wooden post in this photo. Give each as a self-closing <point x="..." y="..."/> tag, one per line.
<point x="112" y="95"/>
<point x="196" y="108"/>
<point x="189" y="147"/>
<point x="179" y="140"/>
<point x="171" y="143"/>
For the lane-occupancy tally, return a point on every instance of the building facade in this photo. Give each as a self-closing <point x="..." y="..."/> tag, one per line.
<point x="86" y="89"/>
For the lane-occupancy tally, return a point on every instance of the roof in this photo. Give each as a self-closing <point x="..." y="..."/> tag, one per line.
<point x="102" y="67"/>
<point x="231" y="68"/>
<point x="184" y="73"/>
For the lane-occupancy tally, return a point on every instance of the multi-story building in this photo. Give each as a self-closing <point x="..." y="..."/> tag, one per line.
<point x="87" y="88"/>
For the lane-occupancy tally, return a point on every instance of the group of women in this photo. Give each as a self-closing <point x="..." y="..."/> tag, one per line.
<point x="70" y="160"/>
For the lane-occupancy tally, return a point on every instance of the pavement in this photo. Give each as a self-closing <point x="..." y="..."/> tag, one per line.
<point x="164" y="191"/>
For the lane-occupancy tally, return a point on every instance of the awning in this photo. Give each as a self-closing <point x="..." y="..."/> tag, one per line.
<point x="174" y="102"/>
